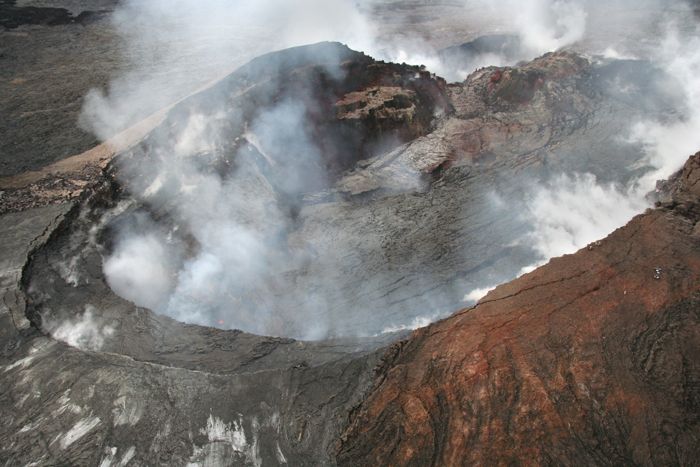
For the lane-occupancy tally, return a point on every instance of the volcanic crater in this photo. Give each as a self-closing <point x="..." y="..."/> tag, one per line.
<point x="303" y="216"/>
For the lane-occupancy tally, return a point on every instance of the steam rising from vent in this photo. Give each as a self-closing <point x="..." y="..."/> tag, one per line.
<point x="570" y="213"/>
<point x="668" y="143"/>
<point x="237" y="223"/>
<point x="139" y="271"/>
<point x="85" y="332"/>
<point x="232" y="235"/>
<point x="538" y="26"/>
<point x="175" y="47"/>
<point x="190" y="44"/>
<point x="545" y="25"/>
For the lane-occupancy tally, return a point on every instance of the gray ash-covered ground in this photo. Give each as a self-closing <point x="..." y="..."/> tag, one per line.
<point x="46" y="68"/>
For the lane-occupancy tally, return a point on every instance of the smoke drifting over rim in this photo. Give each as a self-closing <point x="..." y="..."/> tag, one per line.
<point x="173" y="48"/>
<point x="236" y="223"/>
<point x="85" y="332"/>
<point x="569" y="213"/>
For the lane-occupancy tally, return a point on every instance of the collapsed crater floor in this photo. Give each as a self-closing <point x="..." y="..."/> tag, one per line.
<point x="214" y="219"/>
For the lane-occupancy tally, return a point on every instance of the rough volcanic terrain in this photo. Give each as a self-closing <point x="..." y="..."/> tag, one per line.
<point x="43" y="90"/>
<point x="589" y="359"/>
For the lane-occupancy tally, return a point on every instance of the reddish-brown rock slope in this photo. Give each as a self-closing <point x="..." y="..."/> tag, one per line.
<point x="591" y="359"/>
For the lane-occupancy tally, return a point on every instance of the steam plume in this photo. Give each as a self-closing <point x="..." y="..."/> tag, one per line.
<point x="238" y="224"/>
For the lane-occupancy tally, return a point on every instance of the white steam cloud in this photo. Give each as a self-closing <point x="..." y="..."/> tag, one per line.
<point x="668" y="144"/>
<point x="85" y="332"/>
<point x="539" y="26"/>
<point x="543" y="25"/>
<point x="225" y="271"/>
<point x="571" y="212"/>
<point x="175" y="47"/>
<point x="138" y="270"/>
<point x="237" y="224"/>
<point x="477" y="294"/>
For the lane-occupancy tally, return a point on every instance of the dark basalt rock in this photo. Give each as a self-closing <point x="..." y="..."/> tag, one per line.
<point x="12" y="16"/>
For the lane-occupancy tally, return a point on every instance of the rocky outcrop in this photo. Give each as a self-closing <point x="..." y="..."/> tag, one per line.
<point x="587" y="360"/>
<point x="356" y="107"/>
<point x="536" y="114"/>
<point x="352" y="108"/>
